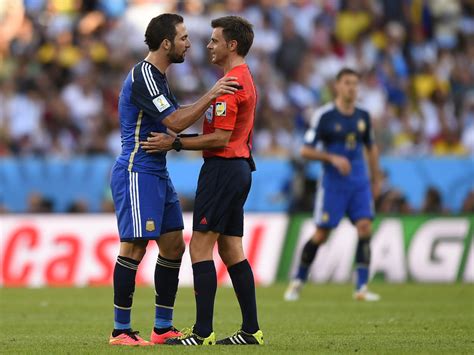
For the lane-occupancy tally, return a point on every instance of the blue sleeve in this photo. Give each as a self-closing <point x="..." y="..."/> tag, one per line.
<point x="149" y="96"/>
<point x="368" y="137"/>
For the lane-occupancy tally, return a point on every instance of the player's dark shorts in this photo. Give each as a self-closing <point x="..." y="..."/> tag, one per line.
<point x="222" y="190"/>
<point x="146" y="205"/>
<point x="333" y="202"/>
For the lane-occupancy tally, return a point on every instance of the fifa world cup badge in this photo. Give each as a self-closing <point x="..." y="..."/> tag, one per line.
<point x="361" y="125"/>
<point x="150" y="225"/>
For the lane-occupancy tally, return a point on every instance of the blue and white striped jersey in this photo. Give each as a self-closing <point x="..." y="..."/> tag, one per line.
<point x="145" y="100"/>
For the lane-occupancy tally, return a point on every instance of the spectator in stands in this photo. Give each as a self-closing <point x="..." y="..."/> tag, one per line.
<point x="390" y="199"/>
<point x="37" y="203"/>
<point x="433" y="201"/>
<point x="468" y="203"/>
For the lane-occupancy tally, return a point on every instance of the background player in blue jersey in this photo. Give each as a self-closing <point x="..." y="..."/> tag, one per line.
<point x="146" y="203"/>
<point x="338" y="134"/>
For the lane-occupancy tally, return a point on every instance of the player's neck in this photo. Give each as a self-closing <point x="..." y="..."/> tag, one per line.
<point x="160" y="62"/>
<point x="232" y="63"/>
<point x="345" y="107"/>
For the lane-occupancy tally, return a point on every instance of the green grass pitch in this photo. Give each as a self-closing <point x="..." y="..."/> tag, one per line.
<point x="410" y="319"/>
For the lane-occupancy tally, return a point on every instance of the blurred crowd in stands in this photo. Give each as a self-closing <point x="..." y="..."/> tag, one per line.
<point x="62" y="63"/>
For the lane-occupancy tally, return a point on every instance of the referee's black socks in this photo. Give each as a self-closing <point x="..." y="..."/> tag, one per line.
<point x="244" y="286"/>
<point x="205" y="286"/>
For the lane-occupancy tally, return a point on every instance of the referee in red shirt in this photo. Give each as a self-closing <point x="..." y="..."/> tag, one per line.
<point x="223" y="186"/>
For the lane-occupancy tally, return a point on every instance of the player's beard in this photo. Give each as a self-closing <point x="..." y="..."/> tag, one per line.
<point x="175" y="57"/>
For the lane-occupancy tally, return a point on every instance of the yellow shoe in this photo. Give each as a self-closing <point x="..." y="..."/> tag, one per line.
<point x="242" y="338"/>
<point x="190" y="338"/>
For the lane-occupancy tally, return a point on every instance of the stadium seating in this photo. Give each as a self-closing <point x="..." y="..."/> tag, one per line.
<point x="64" y="182"/>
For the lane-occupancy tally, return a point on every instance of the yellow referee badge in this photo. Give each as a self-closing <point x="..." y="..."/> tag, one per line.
<point x="221" y="108"/>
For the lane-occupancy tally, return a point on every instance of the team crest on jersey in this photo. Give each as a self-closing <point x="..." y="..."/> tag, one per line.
<point x="161" y="103"/>
<point x="210" y="113"/>
<point x="221" y="108"/>
<point x="337" y="127"/>
<point x="150" y="225"/>
<point x="361" y="125"/>
<point x="325" y="217"/>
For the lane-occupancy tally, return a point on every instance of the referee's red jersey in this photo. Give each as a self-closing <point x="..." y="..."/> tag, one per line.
<point x="234" y="113"/>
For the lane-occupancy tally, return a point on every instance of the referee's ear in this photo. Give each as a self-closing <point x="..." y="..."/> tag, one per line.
<point x="232" y="45"/>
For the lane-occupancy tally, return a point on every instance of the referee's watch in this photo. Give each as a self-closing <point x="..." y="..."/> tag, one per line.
<point x="177" y="144"/>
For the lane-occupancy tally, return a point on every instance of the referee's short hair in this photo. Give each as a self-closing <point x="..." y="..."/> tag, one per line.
<point x="236" y="28"/>
<point x="160" y="28"/>
<point x="346" y="71"/>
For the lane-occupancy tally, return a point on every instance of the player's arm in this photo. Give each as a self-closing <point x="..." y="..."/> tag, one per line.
<point x="339" y="162"/>
<point x="372" y="154"/>
<point x="310" y="150"/>
<point x="163" y="142"/>
<point x="184" y="117"/>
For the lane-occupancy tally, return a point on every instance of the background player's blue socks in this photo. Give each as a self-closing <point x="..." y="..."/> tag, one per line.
<point x="244" y="287"/>
<point x="307" y="257"/>
<point x="362" y="262"/>
<point x="166" y="286"/>
<point x="205" y="286"/>
<point x="124" y="286"/>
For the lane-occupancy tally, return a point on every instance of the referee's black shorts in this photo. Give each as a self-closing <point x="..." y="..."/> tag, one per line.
<point x="223" y="187"/>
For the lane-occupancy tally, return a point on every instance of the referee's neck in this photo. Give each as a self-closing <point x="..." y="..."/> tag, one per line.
<point x="233" y="62"/>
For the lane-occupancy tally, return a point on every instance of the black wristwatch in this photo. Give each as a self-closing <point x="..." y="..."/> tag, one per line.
<point x="177" y="145"/>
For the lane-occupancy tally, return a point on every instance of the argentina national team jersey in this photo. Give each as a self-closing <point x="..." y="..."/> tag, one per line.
<point x="343" y="135"/>
<point x="145" y="100"/>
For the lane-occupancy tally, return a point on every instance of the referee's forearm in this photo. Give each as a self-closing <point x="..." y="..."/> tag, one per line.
<point x="203" y="142"/>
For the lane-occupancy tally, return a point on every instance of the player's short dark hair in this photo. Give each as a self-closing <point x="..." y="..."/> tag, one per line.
<point x="346" y="71"/>
<point x="236" y="28"/>
<point x="160" y="28"/>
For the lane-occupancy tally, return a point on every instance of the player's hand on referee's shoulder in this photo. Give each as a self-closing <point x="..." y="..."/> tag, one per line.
<point x="157" y="142"/>
<point x="223" y="86"/>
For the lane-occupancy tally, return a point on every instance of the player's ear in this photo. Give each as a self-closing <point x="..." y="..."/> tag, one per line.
<point x="166" y="44"/>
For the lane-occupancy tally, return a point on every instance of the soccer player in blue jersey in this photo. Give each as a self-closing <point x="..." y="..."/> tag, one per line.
<point x="338" y="134"/>
<point x="146" y="203"/>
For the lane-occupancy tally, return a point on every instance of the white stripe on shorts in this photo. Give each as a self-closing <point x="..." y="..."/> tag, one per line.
<point x="135" y="204"/>
<point x="318" y="210"/>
